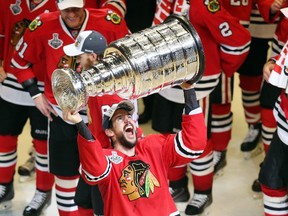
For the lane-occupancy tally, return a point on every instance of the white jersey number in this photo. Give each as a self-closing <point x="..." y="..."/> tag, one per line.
<point x="225" y="29"/>
<point x="21" y="52"/>
<point x="239" y="2"/>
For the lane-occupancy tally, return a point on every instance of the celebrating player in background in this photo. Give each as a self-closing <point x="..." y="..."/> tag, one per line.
<point x="16" y="107"/>
<point x="226" y="45"/>
<point x="43" y="44"/>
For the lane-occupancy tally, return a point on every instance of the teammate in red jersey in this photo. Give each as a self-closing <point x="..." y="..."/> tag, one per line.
<point x="226" y="45"/>
<point x="119" y="6"/>
<point x="43" y="44"/>
<point x="16" y="106"/>
<point x="132" y="177"/>
<point x="250" y="77"/>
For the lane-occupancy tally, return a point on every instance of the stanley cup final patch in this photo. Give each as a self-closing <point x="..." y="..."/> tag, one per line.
<point x="115" y="158"/>
<point x="16" y="8"/>
<point x="55" y="42"/>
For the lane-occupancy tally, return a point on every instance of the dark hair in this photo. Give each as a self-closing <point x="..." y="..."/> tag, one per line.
<point x="100" y="56"/>
<point x="112" y="143"/>
<point x="110" y="124"/>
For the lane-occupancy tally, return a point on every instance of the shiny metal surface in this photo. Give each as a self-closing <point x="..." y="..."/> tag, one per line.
<point x="137" y="65"/>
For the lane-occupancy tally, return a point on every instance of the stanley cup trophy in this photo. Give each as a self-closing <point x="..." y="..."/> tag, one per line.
<point x="137" y="65"/>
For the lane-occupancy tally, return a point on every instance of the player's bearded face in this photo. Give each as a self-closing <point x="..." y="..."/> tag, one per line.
<point x="125" y="129"/>
<point x="73" y="17"/>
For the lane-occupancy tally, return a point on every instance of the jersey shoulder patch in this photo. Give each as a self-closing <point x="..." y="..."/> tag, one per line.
<point x="113" y="17"/>
<point x="44" y="19"/>
<point x="212" y="6"/>
<point x="35" y="24"/>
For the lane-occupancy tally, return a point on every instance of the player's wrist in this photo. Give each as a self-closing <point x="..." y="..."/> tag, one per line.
<point x="31" y="86"/>
<point x="191" y="102"/>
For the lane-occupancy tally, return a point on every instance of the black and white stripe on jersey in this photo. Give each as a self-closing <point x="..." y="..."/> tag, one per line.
<point x="206" y="85"/>
<point x="277" y="46"/>
<point x="281" y="119"/>
<point x="183" y="150"/>
<point x="12" y="82"/>
<point x="239" y="50"/>
<point x="92" y="178"/>
<point x="120" y="5"/>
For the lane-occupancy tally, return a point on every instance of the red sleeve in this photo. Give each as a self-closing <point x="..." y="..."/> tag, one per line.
<point x="28" y="51"/>
<point x="22" y="68"/>
<point x="280" y="36"/>
<point x="119" y="6"/>
<point x="186" y="145"/>
<point x="233" y="38"/>
<point x="91" y="4"/>
<point x="264" y="9"/>
<point x="95" y="165"/>
<point x="194" y="133"/>
<point x="2" y="33"/>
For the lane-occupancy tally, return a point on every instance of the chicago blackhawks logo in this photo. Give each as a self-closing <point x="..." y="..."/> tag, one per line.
<point x="137" y="180"/>
<point x="35" y="24"/>
<point x="67" y="62"/>
<point x="212" y="5"/>
<point x="113" y="17"/>
<point x="18" y="31"/>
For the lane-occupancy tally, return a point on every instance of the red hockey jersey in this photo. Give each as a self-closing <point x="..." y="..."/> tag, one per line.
<point x="225" y="41"/>
<point x="138" y="185"/>
<point x="280" y="36"/>
<point x="15" y="16"/>
<point x="242" y="9"/>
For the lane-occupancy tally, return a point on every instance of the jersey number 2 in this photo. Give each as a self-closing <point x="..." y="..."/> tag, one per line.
<point x="225" y="29"/>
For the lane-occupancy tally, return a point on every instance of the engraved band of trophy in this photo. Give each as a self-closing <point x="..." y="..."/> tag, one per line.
<point x="137" y="65"/>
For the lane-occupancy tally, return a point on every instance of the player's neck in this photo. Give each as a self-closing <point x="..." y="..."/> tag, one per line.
<point x="127" y="151"/>
<point x="35" y="3"/>
<point x="75" y="31"/>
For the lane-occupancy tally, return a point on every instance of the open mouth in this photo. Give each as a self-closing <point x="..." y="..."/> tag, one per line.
<point x="129" y="130"/>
